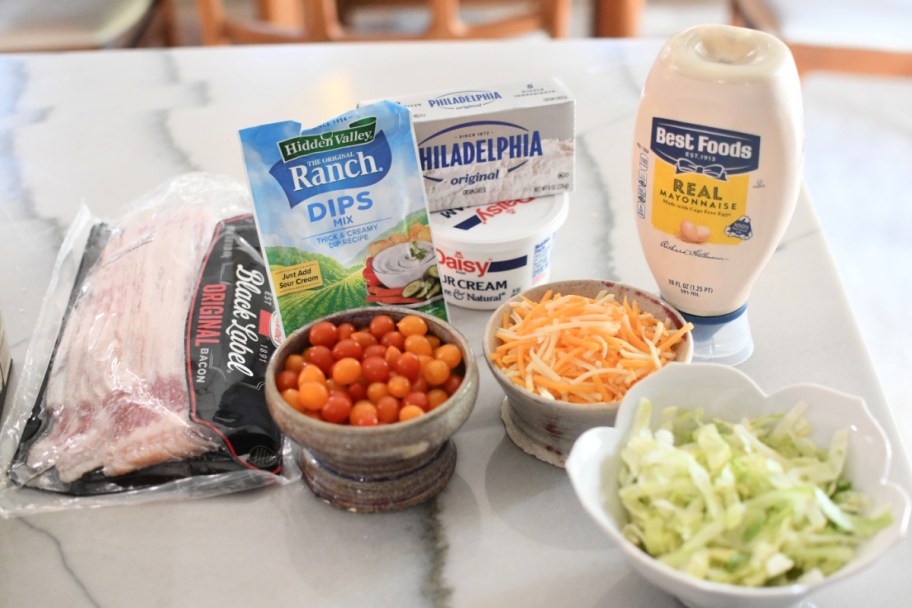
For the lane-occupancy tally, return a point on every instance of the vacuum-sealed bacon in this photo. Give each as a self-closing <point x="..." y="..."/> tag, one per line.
<point x="158" y="369"/>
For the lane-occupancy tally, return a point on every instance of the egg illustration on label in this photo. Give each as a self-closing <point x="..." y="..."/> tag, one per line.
<point x="692" y="233"/>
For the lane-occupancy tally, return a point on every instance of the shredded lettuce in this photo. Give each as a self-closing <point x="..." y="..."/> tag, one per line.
<point x="751" y="503"/>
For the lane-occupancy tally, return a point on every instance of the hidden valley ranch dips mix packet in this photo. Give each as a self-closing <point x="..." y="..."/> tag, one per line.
<point x="342" y="215"/>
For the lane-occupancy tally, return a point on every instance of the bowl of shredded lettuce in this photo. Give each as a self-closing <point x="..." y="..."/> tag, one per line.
<point x="723" y="495"/>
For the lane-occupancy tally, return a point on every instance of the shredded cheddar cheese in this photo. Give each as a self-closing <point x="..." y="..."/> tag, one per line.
<point x="582" y="350"/>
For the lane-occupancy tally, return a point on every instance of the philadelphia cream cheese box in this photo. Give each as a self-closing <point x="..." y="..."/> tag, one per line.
<point x="482" y="146"/>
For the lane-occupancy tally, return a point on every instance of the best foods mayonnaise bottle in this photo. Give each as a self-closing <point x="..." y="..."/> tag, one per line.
<point x="717" y="167"/>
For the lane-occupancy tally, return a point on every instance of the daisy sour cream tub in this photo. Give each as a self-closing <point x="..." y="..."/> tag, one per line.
<point x="487" y="254"/>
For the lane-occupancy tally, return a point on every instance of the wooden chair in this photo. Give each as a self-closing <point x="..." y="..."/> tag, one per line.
<point x="320" y="21"/>
<point x="64" y="25"/>
<point x="871" y="37"/>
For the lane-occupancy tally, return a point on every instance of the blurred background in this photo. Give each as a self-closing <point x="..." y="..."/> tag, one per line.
<point x="855" y="58"/>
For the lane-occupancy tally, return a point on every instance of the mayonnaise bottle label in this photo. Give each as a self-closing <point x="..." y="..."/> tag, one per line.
<point x="701" y="182"/>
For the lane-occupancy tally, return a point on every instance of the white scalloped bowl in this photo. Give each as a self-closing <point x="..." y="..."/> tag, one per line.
<point x="729" y="394"/>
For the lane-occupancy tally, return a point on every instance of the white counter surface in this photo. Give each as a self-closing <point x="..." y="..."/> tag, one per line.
<point x="101" y="129"/>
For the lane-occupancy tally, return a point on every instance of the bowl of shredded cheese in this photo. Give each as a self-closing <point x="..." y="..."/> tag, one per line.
<point x="566" y="353"/>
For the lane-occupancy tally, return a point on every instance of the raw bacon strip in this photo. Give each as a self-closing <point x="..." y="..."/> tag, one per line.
<point x="117" y="393"/>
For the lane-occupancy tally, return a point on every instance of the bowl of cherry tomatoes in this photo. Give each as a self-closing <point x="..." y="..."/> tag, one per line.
<point x="373" y="396"/>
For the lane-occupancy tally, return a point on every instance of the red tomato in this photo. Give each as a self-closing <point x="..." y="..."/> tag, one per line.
<point x="358" y="390"/>
<point x="285" y="380"/>
<point x="392" y="355"/>
<point x="375" y="369"/>
<point x="393" y="338"/>
<point x="452" y="383"/>
<point x="320" y="356"/>
<point x="416" y="398"/>
<point x="348" y="348"/>
<point x="346" y="330"/>
<point x="388" y="409"/>
<point x="294" y="363"/>
<point x="375" y="350"/>
<point x="323" y="333"/>
<point x="408" y="365"/>
<point x="364" y="338"/>
<point x="381" y="325"/>
<point x="337" y="408"/>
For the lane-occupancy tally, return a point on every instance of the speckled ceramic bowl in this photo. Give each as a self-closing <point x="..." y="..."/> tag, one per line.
<point x="383" y="468"/>
<point x="546" y="428"/>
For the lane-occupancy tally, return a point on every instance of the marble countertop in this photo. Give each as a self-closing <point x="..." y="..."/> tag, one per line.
<point x="101" y="129"/>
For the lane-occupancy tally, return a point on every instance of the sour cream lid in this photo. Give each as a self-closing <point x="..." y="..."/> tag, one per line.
<point x="500" y="225"/>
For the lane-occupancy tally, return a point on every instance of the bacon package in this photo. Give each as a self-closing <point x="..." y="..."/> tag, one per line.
<point x="157" y="371"/>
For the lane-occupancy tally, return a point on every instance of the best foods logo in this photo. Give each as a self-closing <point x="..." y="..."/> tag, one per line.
<point x="710" y="151"/>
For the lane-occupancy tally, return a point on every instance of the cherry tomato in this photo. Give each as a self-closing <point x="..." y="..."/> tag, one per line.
<point x="412" y="324"/>
<point x="375" y="369"/>
<point x="364" y="338"/>
<point x="312" y="395"/>
<point x="294" y="363"/>
<point x="375" y="350"/>
<point x="311" y="373"/>
<point x="388" y="409"/>
<point x="291" y="398"/>
<point x="452" y="384"/>
<point x="392" y="355"/>
<point x="285" y="380"/>
<point x="347" y="348"/>
<point x="435" y="372"/>
<point x="363" y="413"/>
<point x="421" y="385"/>
<point x="416" y="398"/>
<point x="323" y="333"/>
<point x="449" y="354"/>
<point x="381" y="325"/>
<point x="434" y="340"/>
<point x="346" y="371"/>
<point x="358" y="390"/>
<point x="346" y="330"/>
<point x="408" y="365"/>
<point x="337" y="408"/>
<point x="376" y="391"/>
<point x="418" y="344"/>
<point x="408" y="412"/>
<point x="393" y="338"/>
<point x="398" y="386"/>
<point x="436" y="396"/>
<point x="321" y="356"/>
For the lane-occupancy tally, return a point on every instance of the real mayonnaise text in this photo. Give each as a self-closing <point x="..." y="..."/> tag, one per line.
<point x="717" y="164"/>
